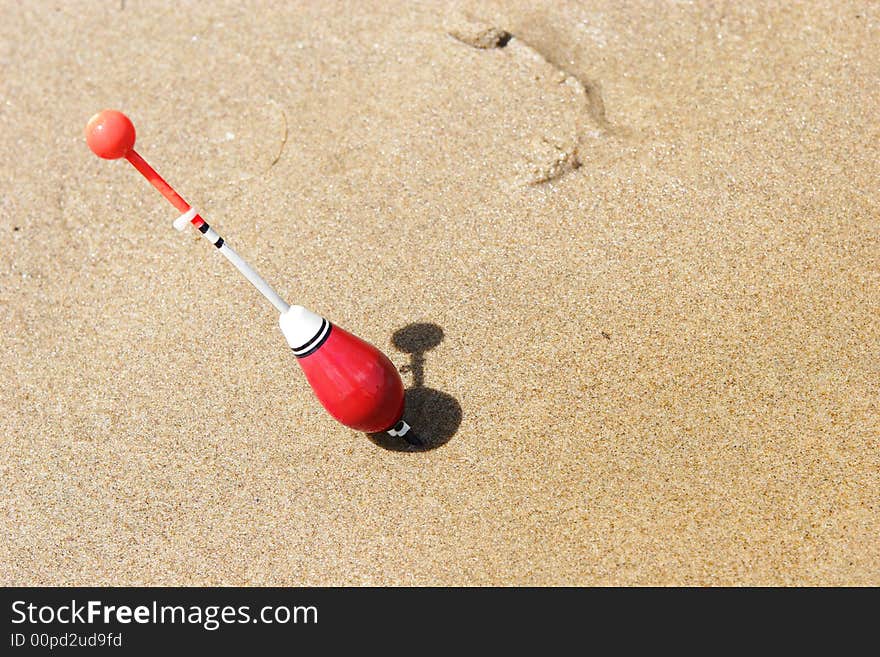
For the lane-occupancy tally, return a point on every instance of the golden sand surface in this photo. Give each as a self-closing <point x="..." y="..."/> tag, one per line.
<point x="632" y="249"/>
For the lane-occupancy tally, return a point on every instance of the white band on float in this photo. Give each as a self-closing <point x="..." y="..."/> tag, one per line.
<point x="181" y="222"/>
<point x="304" y="330"/>
<point x="212" y="236"/>
<point x="398" y="430"/>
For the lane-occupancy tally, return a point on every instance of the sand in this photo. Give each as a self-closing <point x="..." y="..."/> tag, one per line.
<point x="631" y="250"/>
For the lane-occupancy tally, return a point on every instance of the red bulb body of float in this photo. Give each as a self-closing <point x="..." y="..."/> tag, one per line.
<point x="355" y="382"/>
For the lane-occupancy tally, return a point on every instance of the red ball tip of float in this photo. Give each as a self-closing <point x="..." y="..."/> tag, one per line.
<point x="110" y="134"/>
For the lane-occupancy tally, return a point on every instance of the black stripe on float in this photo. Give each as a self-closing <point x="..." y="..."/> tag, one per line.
<point x="308" y="343"/>
<point x="318" y="345"/>
<point x="315" y="343"/>
<point x="204" y="228"/>
<point x="219" y="242"/>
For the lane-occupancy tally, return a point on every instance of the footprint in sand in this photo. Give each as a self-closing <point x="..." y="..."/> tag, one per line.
<point x="557" y="150"/>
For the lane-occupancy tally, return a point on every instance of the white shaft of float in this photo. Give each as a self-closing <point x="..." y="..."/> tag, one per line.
<point x="240" y="264"/>
<point x="256" y="280"/>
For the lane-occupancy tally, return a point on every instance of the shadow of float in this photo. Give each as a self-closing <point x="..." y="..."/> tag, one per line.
<point x="433" y="415"/>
